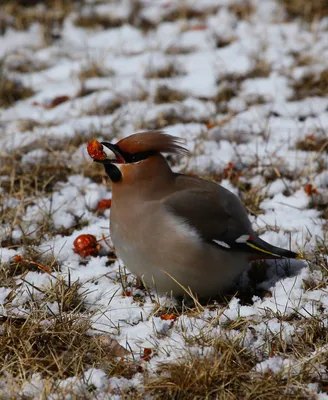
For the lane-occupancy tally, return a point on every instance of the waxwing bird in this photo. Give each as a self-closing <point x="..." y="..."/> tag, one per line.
<point x="172" y="229"/>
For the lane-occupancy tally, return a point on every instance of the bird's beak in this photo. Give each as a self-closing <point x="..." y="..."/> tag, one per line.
<point x="119" y="158"/>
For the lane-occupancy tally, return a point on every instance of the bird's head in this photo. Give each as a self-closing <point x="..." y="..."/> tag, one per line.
<point x="139" y="155"/>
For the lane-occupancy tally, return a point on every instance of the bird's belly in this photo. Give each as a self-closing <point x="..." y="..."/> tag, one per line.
<point x="176" y="260"/>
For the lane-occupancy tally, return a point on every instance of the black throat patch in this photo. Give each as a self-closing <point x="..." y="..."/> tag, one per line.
<point x="113" y="172"/>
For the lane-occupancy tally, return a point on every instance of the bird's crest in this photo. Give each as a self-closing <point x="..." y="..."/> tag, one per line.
<point x="152" y="141"/>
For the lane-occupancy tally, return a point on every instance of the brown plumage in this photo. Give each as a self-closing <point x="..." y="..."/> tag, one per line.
<point x="166" y="225"/>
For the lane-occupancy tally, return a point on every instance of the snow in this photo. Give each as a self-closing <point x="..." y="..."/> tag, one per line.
<point x="13" y="40"/>
<point x="258" y="129"/>
<point x="275" y="364"/>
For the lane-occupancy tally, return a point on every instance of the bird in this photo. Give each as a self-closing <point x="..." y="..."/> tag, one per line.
<point x="175" y="232"/>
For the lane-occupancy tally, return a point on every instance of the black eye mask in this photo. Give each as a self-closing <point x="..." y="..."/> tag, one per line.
<point x="121" y="157"/>
<point x="113" y="172"/>
<point x="142" y="155"/>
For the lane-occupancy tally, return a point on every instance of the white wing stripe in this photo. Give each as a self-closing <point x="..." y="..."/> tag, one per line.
<point x="220" y="243"/>
<point x="242" y="239"/>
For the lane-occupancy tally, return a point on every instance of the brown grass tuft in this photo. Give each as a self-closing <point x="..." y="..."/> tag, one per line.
<point x="69" y="296"/>
<point x="308" y="10"/>
<point x="58" y="347"/>
<point x="12" y="90"/>
<point x="227" y="374"/>
<point x="312" y="143"/>
<point x="252" y="197"/>
<point x="311" y="84"/>
<point x="243" y="10"/>
<point x="21" y="14"/>
<point x="164" y="94"/>
<point x="94" y="20"/>
<point x="168" y="71"/>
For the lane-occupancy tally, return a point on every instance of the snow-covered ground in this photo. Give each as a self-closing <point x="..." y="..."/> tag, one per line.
<point x="244" y="86"/>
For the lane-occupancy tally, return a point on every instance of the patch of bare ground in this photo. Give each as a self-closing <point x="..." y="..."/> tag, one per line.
<point x="24" y="184"/>
<point x="53" y="337"/>
<point x="23" y="63"/>
<point x="308" y="10"/>
<point x="311" y="84"/>
<point x="168" y="116"/>
<point x="313" y="142"/>
<point x="94" y="70"/>
<point x="164" y="94"/>
<point x="242" y="10"/>
<point x="11" y="90"/>
<point x="168" y="71"/>
<point x="228" y="373"/>
<point x="57" y="347"/>
<point x="229" y="86"/>
<point x="92" y="18"/>
<point x="50" y="14"/>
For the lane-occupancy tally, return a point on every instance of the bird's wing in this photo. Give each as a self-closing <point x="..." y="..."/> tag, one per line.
<point x="221" y="220"/>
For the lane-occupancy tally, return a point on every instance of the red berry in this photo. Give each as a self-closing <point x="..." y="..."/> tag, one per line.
<point x="96" y="150"/>
<point x="168" y="317"/>
<point x="86" y="245"/>
<point x="146" y="354"/>
<point x="104" y="204"/>
<point x="309" y="189"/>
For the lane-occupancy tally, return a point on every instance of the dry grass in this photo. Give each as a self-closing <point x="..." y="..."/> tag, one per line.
<point x="23" y="13"/>
<point x="252" y="197"/>
<point x="69" y="296"/>
<point x="166" y="95"/>
<point x="308" y="10"/>
<point x="168" y="116"/>
<point x="29" y="183"/>
<point x="94" y="70"/>
<point x="186" y="13"/>
<point x="58" y="344"/>
<point x="227" y="374"/>
<point x="168" y="71"/>
<point x="313" y="143"/>
<point x="12" y="90"/>
<point x="56" y="347"/>
<point x="228" y="90"/>
<point x="94" y="20"/>
<point x="311" y="84"/>
<point x="229" y="86"/>
<point x="55" y="344"/>
<point x="242" y="10"/>
<point x="25" y="186"/>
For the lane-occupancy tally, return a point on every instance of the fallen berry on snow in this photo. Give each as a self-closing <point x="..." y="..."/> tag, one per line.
<point x="17" y="259"/>
<point x="127" y="292"/>
<point x="146" y="354"/>
<point x="168" y="317"/>
<point x="86" y="245"/>
<point x="56" y="101"/>
<point x="309" y="189"/>
<point x="96" y="150"/>
<point x="231" y="173"/>
<point x="104" y="204"/>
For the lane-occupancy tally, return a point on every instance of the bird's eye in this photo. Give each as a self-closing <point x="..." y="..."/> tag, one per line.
<point x="136" y="157"/>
